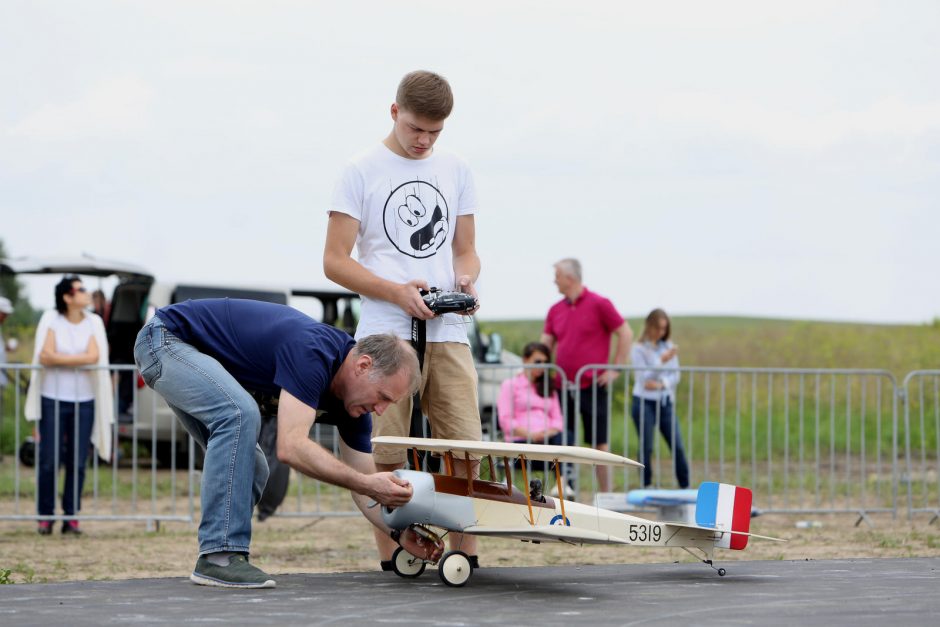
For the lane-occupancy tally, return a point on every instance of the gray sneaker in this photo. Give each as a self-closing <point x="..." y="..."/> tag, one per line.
<point x="238" y="574"/>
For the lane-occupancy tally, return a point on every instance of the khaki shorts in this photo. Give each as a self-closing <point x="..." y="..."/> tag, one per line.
<point x="448" y="399"/>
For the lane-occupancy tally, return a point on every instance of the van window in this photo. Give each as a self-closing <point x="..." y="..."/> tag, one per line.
<point x="337" y="309"/>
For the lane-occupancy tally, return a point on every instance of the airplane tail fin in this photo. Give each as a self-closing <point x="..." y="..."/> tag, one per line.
<point x="725" y="507"/>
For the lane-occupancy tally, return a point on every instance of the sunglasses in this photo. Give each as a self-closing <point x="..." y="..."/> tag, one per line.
<point x="79" y="289"/>
<point x="539" y="361"/>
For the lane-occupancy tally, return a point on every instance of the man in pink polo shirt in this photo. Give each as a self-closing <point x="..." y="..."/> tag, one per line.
<point x="578" y="328"/>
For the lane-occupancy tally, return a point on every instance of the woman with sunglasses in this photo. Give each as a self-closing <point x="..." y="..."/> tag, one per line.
<point x="654" y="394"/>
<point x="528" y="405"/>
<point x="62" y="396"/>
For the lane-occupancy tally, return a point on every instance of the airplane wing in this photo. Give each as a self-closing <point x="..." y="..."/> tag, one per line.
<point x="547" y="533"/>
<point x="540" y="452"/>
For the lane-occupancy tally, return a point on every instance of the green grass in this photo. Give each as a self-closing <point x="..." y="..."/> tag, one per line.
<point x="761" y="417"/>
<point x="120" y="484"/>
<point x="763" y="342"/>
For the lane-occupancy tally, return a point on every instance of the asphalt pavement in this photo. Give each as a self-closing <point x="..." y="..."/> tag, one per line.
<point x="822" y="593"/>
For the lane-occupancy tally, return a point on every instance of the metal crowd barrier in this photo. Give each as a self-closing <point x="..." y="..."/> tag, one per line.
<point x="806" y="441"/>
<point x="920" y="393"/>
<point x="126" y="487"/>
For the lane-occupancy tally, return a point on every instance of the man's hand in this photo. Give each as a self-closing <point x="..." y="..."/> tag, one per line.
<point x="387" y="489"/>
<point x="408" y="297"/>
<point x="420" y="547"/>
<point x="465" y="285"/>
<point x="607" y="377"/>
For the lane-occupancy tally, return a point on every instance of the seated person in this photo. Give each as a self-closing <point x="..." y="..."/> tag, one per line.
<point x="528" y="407"/>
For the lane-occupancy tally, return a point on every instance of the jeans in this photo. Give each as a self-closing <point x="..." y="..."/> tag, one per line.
<point x="57" y="447"/>
<point x="593" y="411"/>
<point x="646" y="413"/>
<point x="223" y="418"/>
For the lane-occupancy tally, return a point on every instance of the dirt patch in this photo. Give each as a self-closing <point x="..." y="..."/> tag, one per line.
<point x="122" y="550"/>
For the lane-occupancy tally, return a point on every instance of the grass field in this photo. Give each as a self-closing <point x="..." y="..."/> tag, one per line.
<point x="759" y="409"/>
<point x="804" y="433"/>
<point x="758" y="428"/>
<point x="762" y="342"/>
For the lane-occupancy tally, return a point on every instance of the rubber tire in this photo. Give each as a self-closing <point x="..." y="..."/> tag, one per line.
<point x="407" y="565"/>
<point x="455" y="569"/>
<point x="722" y="572"/>
<point x="275" y="490"/>
<point x="27" y="452"/>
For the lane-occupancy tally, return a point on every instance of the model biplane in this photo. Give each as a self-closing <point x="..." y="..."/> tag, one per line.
<point x="445" y="502"/>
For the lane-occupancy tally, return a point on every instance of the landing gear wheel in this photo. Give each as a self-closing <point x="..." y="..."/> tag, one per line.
<point x="722" y="572"/>
<point x="407" y="565"/>
<point x="454" y="568"/>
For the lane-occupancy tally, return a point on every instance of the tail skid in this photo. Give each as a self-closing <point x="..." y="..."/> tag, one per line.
<point x="725" y="510"/>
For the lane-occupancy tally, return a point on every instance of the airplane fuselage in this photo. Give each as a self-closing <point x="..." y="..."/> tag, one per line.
<point x="455" y="504"/>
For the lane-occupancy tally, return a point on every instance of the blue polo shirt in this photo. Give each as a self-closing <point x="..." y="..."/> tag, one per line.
<point x="268" y="347"/>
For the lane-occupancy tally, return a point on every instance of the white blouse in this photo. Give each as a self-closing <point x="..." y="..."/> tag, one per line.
<point x="68" y="383"/>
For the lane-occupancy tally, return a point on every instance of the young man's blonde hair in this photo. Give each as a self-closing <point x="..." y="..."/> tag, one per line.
<point x="426" y="94"/>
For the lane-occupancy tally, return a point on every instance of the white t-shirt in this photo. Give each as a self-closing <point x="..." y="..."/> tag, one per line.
<point x="407" y="211"/>
<point x="69" y="384"/>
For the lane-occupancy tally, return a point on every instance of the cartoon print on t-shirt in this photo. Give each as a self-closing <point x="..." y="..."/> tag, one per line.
<point x="416" y="219"/>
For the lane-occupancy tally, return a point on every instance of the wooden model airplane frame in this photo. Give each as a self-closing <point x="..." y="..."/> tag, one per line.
<point x="488" y="508"/>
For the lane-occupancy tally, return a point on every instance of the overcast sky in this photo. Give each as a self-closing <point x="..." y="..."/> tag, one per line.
<point x="753" y="158"/>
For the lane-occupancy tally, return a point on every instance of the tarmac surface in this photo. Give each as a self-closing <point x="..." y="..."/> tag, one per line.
<point x="806" y="593"/>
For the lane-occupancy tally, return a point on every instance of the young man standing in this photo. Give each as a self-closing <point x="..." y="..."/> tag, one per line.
<point x="579" y="328"/>
<point x="409" y="209"/>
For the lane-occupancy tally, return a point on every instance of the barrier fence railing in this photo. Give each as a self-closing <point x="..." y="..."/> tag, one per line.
<point x="119" y="488"/>
<point x="806" y="440"/>
<point x="920" y="393"/>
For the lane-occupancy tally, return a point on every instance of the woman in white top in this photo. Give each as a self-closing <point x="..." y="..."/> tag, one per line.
<point x="654" y="394"/>
<point x="68" y="401"/>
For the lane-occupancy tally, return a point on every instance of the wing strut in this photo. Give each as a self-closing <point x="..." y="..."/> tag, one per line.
<point x="466" y="459"/>
<point x="528" y="493"/>
<point x="561" y="492"/>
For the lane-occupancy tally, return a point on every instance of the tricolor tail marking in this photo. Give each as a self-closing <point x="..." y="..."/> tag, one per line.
<point x="727" y="508"/>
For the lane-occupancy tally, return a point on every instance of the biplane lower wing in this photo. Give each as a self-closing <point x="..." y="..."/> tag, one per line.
<point x="547" y="533"/>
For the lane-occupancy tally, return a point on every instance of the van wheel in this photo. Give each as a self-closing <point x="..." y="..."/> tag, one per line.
<point x="27" y="452"/>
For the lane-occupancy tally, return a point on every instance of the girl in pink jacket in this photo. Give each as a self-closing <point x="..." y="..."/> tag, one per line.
<point x="528" y="406"/>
